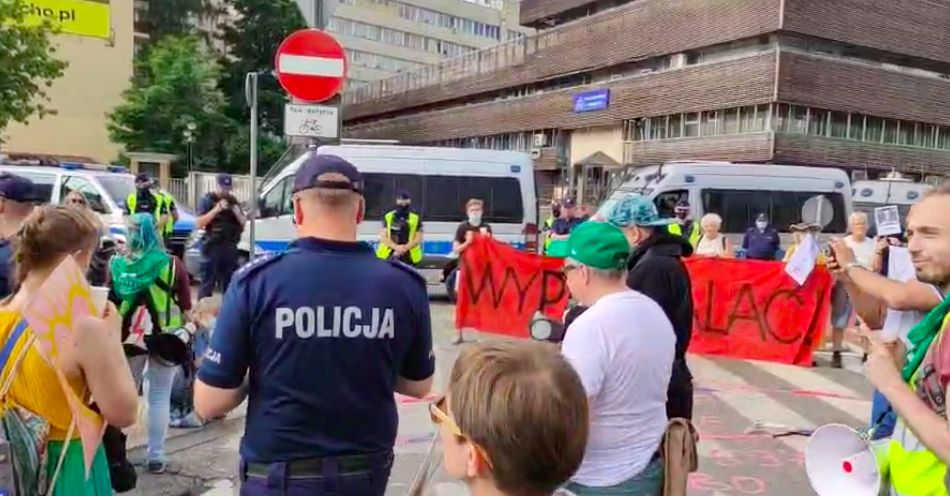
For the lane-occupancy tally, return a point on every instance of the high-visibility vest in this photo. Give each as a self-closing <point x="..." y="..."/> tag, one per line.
<point x="694" y="234"/>
<point x="548" y="224"/>
<point x="913" y="469"/>
<point x="161" y="299"/>
<point x="162" y="202"/>
<point x="415" y="254"/>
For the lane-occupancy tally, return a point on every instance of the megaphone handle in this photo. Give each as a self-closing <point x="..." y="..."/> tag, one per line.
<point x="877" y="422"/>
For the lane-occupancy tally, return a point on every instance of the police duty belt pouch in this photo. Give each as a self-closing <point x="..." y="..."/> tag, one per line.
<point x="24" y="436"/>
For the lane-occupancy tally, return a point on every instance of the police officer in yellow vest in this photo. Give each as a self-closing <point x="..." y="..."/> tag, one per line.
<point x="684" y="226"/>
<point x="401" y="237"/>
<point x="914" y="379"/>
<point x="149" y="201"/>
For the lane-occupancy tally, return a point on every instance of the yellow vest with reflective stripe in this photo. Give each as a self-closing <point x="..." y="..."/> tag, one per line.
<point x="548" y="224"/>
<point x="915" y="470"/>
<point x="415" y="254"/>
<point x="162" y="201"/>
<point x="694" y="234"/>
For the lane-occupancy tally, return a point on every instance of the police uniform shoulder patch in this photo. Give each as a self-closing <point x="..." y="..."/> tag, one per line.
<point x="256" y="265"/>
<point x="409" y="270"/>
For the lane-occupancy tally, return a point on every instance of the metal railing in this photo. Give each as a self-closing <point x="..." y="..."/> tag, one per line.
<point x="188" y="191"/>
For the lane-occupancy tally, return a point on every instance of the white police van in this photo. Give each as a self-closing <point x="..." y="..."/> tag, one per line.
<point x="892" y="189"/>
<point x="440" y="181"/>
<point x="106" y="188"/>
<point x="739" y="192"/>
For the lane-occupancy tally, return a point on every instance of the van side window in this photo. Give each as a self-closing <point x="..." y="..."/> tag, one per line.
<point x="739" y="208"/>
<point x="442" y="198"/>
<point x="42" y="184"/>
<point x="667" y="200"/>
<point x="278" y="201"/>
<point x="84" y="186"/>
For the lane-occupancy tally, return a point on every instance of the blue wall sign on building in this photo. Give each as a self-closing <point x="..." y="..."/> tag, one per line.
<point x="590" y="101"/>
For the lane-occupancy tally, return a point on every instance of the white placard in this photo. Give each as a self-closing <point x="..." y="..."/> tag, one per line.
<point x="888" y="220"/>
<point x="802" y="263"/>
<point x="311" y="121"/>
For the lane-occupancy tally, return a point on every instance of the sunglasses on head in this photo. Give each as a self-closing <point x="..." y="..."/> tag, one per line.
<point x="440" y="416"/>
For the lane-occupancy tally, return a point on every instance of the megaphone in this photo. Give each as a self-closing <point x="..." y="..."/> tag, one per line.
<point x="839" y="460"/>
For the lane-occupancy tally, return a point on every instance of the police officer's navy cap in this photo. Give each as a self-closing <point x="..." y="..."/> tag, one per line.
<point x="17" y="188"/>
<point x="143" y="178"/>
<point x="225" y="180"/>
<point x="403" y="195"/>
<point x="318" y="165"/>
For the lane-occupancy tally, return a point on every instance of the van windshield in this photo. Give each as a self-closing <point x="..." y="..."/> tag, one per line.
<point x="739" y="208"/>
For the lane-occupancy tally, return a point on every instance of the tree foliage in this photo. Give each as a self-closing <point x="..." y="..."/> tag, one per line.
<point x="177" y="86"/>
<point x="173" y="17"/>
<point x="251" y="41"/>
<point x="27" y="65"/>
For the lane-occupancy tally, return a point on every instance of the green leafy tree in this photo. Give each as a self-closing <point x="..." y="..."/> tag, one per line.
<point x="27" y="65"/>
<point x="173" y="17"/>
<point x="251" y="41"/>
<point x="177" y="88"/>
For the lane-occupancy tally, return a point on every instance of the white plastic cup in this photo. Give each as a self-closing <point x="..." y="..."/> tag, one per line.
<point x="100" y="295"/>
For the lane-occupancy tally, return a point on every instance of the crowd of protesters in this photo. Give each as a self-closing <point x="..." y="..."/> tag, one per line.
<point x="143" y="339"/>
<point x="596" y="416"/>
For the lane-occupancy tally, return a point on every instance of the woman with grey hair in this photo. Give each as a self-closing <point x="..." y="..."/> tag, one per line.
<point x="713" y="242"/>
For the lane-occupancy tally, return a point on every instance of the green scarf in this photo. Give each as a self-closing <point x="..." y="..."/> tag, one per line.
<point x="921" y="337"/>
<point x="138" y="269"/>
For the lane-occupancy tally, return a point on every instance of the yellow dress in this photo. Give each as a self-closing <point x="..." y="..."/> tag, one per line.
<point x="37" y="389"/>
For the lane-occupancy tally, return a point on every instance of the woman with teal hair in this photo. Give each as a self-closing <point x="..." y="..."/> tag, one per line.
<point x="152" y="287"/>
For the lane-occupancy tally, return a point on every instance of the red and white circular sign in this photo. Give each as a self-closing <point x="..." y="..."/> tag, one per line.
<point x="311" y="65"/>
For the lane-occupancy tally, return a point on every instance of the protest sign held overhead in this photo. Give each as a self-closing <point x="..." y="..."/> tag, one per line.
<point x="888" y="220"/>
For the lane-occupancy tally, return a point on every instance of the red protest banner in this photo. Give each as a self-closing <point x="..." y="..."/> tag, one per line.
<point x="753" y="309"/>
<point x="501" y="288"/>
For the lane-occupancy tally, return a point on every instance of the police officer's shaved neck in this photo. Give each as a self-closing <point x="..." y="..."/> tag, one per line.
<point x="12" y="215"/>
<point x="328" y="213"/>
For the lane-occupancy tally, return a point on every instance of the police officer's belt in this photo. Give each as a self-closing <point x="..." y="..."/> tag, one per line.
<point x="313" y="467"/>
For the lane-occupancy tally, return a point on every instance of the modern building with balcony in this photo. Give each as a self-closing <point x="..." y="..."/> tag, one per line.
<point x="855" y="84"/>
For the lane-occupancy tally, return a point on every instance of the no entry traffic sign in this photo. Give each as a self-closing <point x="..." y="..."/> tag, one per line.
<point x="311" y="65"/>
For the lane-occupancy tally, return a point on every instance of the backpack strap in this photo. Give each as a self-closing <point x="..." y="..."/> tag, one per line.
<point x="5" y="356"/>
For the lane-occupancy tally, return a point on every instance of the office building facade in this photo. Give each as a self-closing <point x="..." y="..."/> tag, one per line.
<point x="857" y="84"/>
<point x="98" y="46"/>
<point x="387" y="37"/>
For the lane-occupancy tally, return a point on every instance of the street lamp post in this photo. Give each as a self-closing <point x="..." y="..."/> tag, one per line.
<point x="189" y="134"/>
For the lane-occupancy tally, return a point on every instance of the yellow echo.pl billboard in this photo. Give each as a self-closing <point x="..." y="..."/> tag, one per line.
<point x="76" y="17"/>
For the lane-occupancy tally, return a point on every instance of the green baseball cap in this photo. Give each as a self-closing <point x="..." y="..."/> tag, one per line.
<point x="599" y="245"/>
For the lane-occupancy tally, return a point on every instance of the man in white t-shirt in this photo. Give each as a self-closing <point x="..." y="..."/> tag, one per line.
<point x="841" y="309"/>
<point x="624" y="364"/>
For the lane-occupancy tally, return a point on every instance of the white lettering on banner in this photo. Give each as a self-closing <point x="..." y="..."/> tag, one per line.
<point x="332" y="322"/>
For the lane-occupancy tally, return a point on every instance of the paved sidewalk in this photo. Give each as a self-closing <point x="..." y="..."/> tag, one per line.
<point x="138" y="433"/>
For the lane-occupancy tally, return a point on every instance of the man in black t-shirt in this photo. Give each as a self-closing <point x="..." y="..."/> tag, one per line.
<point x="465" y="235"/>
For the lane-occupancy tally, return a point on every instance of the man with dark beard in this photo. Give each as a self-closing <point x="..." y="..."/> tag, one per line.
<point x="920" y="446"/>
<point x="656" y="269"/>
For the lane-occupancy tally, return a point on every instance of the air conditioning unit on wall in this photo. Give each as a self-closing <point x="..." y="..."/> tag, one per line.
<point x="540" y="140"/>
<point x="535" y="153"/>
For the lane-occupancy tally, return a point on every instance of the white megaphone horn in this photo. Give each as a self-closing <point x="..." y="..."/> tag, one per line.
<point x="840" y="461"/>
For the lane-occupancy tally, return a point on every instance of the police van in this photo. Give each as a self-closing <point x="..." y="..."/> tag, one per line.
<point x="105" y="187"/>
<point x="739" y="192"/>
<point x="440" y="181"/>
<point x="892" y="189"/>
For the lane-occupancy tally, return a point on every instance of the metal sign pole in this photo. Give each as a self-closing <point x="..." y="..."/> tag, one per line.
<point x="250" y="92"/>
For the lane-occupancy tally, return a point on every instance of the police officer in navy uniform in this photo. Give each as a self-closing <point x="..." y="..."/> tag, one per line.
<point x="17" y="196"/>
<point x="318" y="338"/>
<point x="221" y="217"/>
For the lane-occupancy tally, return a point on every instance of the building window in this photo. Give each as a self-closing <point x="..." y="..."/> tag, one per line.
<point x="691" y="124"/>
<point x="839" y="124"/>
<point x="710" y="125"/>
<point x="874" y="129"/>
<point x="674" y="126"/>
